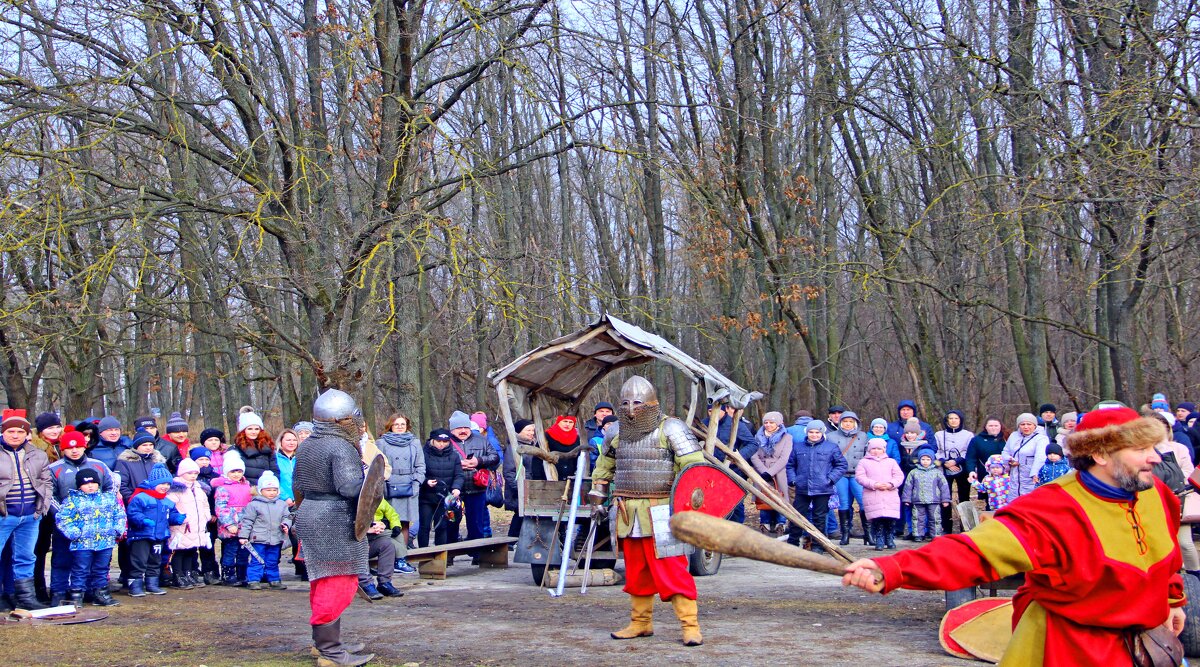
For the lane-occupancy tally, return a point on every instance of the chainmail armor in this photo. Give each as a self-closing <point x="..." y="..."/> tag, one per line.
<point x="645" y="468"/>
<point x="329" y="476"/>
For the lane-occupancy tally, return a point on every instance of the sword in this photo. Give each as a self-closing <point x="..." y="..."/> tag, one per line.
<point x="588" y="547"/>
<point x="254" y="553"/>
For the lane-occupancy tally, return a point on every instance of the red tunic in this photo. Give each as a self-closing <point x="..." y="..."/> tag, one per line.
<point x="1094" y="568"/>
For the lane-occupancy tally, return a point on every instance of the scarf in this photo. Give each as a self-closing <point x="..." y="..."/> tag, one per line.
<point x="398" y="439"/>
<point x="561" y="435"/>
<point x="1105" y="490"/>
<point x="766" y="443"/>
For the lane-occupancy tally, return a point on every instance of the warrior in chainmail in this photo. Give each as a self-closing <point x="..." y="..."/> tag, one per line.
<point x="640" y="462"/>
<point x="327" y="481"/>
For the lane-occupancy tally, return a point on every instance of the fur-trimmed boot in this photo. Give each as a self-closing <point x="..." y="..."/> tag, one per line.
<point x="688" y="615"/>
<point x="641" y="618"/>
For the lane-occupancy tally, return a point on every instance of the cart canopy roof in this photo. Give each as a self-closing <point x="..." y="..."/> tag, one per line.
<point x="566" y="369"/>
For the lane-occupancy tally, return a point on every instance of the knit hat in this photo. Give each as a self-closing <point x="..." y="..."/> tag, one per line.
<point x="1026" y="418"/>
<point x="144" y="422"/>
<point x="611" y="419"/>
<point x="993" y="461"/>
<point x="1160" y="405"/>
<point x="913" y="425"/>
<point x="303" y="426"/>
<point x="1186" y="405"/>
<point x="71" y="438"/>
<point x="211" y="433"/>
<point x="604" y="404"/>
<point x="1167" y="416"/>
<point x="1047" y="407"/>
<point x="176" y="423"/>
<point x="773" y="416"/>
<point x="480" y="419"/>
<point x="159" y="475"/>
<point x="86" y="476"/>
<point x="926" y="451"/>
<point x="14" y="419"/>
<point x="187" y="465"/>
<point x="233" y="461"/>
<point x="458" y="419"/>
<point x="199" y="453"/>
<point x="46" y="420"/>
<point x="879" y="421"/>
<point x="520" y="425"/>
<point x="247" y="418"/>
<point x="815" y="425"/>
<point x="1112" y="429"/>
<point x="107" y="423"/>
<point x="1069" y="416"/>
<point x="440" y="434"/>
<point x="876" y="442"/>
<point x="1158" y="397"/>
<point x="268" y="481"/>
<point x="141" y="437"/>
<point x="1054" y="448"/>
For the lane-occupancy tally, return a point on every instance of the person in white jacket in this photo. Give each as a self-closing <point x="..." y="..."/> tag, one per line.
<point x="1025" y="452"/>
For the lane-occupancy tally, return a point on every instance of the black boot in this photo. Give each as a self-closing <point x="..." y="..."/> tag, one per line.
<point x="327" y="639"/>
<point x="57" y="598"/>
<point x="76" y="598"/>
<point x="7" y="604"/>
<point x="102" y="598"/>
<point x="877" y="535"/>
<point x="845" y="518"/>
<point x="26" y="597"/>
<point x="868" y="540"/>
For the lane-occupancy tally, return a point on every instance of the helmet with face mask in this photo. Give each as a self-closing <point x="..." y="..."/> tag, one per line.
<point x="638" y="413"/>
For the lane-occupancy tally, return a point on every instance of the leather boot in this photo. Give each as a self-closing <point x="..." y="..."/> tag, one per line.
<point x="641" y="619"/>
<point x="845" y="518"/>
<point x="327" y="640"/>
<point x="867" y="539"/>
<point x="7" y="604"/>
<point x="57" y="598"/>
<point x="76" y="598"/>
<point x="687" y="612"/>
<point x="26" y="597"/>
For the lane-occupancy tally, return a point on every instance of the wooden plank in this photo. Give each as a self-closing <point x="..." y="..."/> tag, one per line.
<point x="494" y="558"/>
<point x="456" y="548"/>
<point x="433" y="567"/>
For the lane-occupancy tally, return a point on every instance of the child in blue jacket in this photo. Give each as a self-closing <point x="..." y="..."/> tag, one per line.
<point x="151" y="516"/>
<point x="93" y="521"/>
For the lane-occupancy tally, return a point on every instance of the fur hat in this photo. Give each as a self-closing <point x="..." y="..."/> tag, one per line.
<point x="176" y="423"/>
<point x="232" y="461"/>
<point x="1110" y="429"/>
<point x="268" y="480"/>
<point x="247" y="418"/>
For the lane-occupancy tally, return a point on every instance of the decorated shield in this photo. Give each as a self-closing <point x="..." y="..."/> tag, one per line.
<point x="702" y="487"/>
<point x="370" y="497"/>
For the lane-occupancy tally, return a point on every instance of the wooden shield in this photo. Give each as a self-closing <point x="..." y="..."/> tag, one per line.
<point x="370" y="497"/>
<point x="705" y="488"/>
<point x="979" y="629"/>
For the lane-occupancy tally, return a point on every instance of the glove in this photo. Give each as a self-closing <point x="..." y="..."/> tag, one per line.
<point x="396" y="532"/>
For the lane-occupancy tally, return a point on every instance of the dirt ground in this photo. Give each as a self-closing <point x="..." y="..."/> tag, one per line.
<point x="751" y="613"/>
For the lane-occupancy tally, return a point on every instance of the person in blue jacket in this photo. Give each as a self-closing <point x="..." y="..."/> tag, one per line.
<point x="814" y="468"/>
<point x="906" y="410"/>
<point x="110" y="443"/>
<point x="151" y="516"/>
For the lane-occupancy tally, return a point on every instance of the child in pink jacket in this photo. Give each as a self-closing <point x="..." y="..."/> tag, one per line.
<point x="881" y="479"/>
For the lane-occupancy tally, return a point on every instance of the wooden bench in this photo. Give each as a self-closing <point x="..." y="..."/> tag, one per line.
<point x="431" y="561"/>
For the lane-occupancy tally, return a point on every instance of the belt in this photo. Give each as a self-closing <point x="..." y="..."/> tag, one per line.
<point x="326" y="496"/>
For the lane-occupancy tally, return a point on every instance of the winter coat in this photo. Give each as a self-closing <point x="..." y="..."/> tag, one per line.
<point x="36" y="466"/>
<point x="231" y="498"/>
<point x="478" y="446"/>
<point x="151" y="517"/>
<point x="1049" y="428"/>
<point x="926" y="485"/>
<point x="287" y="468"/>
<point x="192" y="501"/>
<point x="62" y="472"/>
<point x="92" y="521"/>
<point x="1030" y="453"/>
<point x="511" y="502"/>
<point x="853" y="446"/>
<point x="258" y="460"/>
<point x="814" y="468"/>
<point x="896" y="428"/>
<point x="1052" y="470"/>
<point x="263" y="521"/>
<point x="172" y="452"/>
<point x="134" y="469"/>
<point x="51" y="448"/>
<point x="404" y="452"/>
<point x="744" y="443"/>
<point x="999" y="490"/>
<point x="444" y="465"/>
<point x="1180" y="434"/>
<point x="217" y="460"/>
<point x="982" y="447"/>
<point x="953" y="446"/>
<point x="773" y="466"/>
<point x="109" y="451"/>
<point x="880" y="503"/>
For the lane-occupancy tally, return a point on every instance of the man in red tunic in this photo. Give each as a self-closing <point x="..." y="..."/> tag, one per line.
<point x="1097" y="547"/>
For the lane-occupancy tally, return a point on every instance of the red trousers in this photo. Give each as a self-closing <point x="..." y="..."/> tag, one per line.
<point x="646" y="574"/>
<point x="329" y="597"/>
